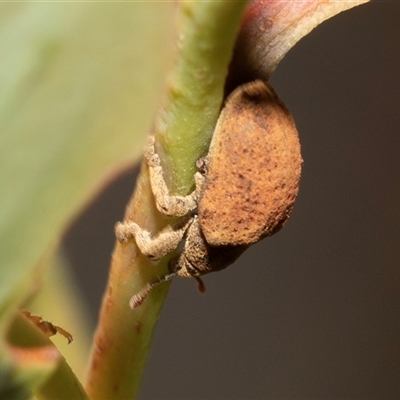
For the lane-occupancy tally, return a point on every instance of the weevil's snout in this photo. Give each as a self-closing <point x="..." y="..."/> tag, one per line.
<point x="181" y="266"/>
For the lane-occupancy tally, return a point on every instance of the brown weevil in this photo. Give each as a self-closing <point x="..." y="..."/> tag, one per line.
<point x="245" y="188"/>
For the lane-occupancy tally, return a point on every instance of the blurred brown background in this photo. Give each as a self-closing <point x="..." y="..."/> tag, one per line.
<point x="313" y="312"/>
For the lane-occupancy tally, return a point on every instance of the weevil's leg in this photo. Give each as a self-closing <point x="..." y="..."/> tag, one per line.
<point x="153" y="247"/>
<point x="199" y="180"/>
<point x="167" y="204"/>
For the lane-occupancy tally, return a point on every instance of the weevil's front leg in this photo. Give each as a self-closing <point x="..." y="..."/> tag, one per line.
<point x="171" y="205"/>
<point x="153" y="247"/>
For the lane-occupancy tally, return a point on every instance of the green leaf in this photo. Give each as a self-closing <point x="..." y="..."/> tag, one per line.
<point x="78" y="89"/>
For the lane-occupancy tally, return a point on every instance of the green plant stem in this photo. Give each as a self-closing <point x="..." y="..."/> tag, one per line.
<point x="195" y="87"/>
<point x="183" y="128"/>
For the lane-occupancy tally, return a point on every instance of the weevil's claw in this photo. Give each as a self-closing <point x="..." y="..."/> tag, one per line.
<point x="200" y="284"/>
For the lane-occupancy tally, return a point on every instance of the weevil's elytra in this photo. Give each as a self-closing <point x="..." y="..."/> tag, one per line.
<point x="253" y="170"/>
<point x="245" y="188"/>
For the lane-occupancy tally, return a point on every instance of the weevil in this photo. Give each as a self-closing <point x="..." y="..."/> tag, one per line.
<point x="245" y="188"/>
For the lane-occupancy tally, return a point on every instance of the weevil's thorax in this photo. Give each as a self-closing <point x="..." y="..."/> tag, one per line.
<point x="253" y="169"/>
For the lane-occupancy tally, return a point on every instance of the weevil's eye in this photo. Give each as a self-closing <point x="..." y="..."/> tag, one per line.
<point x="201" y="165"/>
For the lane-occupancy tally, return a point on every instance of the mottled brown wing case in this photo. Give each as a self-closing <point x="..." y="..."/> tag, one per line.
<point x="253" y="170"/>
